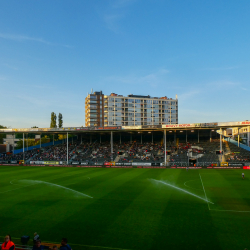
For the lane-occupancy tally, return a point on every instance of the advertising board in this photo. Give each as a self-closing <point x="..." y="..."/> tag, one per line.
<point x="141" y="163"/>
<point x="246" y="167"/>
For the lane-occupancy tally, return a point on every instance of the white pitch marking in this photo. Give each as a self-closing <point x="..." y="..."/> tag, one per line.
<point x="204" y="191"/>
<point x="183" y="190"/>
<point x="191" y="187"/>
<point x="221" y="209"/>
<point x="230" y="211"/>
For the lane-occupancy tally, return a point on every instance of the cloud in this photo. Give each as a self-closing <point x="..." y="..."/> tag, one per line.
<point x="21" y="38"/>
<point x="121" y="3"/>
<point x="222" y="68"/>
<point x="223" y="84"/>
<point x="115" y="12"/>
<point x="195" y="115"/>
<point x="111" y="22"/>
<point x="188" y="95"/>
<point x="152" y="79"/>
<point x="43" y="86"/>
<point x="3" y="78"/>
<point x="9" y="66"/>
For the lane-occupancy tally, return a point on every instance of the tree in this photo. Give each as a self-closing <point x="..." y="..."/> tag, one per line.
<point x="60" y="120"/>
<point x="34" y="127"/>
<point x="53" y="120"/>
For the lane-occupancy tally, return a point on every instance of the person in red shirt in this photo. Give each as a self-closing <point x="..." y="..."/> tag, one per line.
<point x="8" y="244"/>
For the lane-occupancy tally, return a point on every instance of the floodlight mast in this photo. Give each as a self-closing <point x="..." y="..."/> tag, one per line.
<point x="221" y="131"/>
<point x="67" y="148"/>
<point x="238" y="138"/>
<point x="23" y="147"/>
<point x="13" y="150"/>
<point x="111" y="140"/>
<point x="165" y="142"/>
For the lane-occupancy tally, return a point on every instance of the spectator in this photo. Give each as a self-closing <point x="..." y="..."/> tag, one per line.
<point x="64" y="245"/>
<point x="38" y="246"/>
<point x="54" y="248"/>
<point x="36" y="237"/>
<point x="8" y="244"/>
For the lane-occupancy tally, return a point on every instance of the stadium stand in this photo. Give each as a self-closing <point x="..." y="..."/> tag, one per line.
<point x="127" y="152"/>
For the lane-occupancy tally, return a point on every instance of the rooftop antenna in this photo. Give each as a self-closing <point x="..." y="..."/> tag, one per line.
<point x="91" y="91"/>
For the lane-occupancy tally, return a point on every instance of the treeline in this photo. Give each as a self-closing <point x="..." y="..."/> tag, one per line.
<point x="53" y="120"/>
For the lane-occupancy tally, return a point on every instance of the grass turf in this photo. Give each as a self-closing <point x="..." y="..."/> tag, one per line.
<point x="130" y="208"/>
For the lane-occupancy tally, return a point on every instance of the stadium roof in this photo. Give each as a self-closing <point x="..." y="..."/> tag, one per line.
<point x="187" y="126"/>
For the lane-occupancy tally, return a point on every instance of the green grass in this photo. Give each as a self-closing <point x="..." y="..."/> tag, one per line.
<point x="130" y="209"/>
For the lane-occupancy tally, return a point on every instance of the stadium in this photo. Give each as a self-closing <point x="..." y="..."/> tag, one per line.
<point x="115" y="188"/>
<point x="124" y="125"/>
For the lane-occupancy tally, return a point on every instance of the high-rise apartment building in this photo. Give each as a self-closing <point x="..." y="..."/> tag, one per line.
<point x="133" y="110"/>
<point x="94" y="110"/>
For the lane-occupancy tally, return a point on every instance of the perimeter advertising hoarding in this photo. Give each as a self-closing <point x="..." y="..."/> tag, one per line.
<point x="245" y="123"/>
<point x="105" y="128"/>
<point x="36" y="162"/>
<point x="151" y="126"/>
<point x="123" y="164"/>
<point x="228" y="124"/>
<point x="178" y="125"/>
<point x="246" y="167"/>
<point x="46" y="162"/>
<point x="191" y="125"/>
<point x="51" y="162"/>
<point x="235" y="164"/>
<point x="141" y="163"/>
<point x="224" y="164"/>
<point x="132" y="127"/>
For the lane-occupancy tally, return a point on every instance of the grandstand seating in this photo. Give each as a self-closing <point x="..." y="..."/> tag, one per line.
<point x="99" y="153"/>
<point x="237" y="154"/>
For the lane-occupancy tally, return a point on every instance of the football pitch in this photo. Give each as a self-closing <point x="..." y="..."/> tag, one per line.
<point x="127" y="208"/>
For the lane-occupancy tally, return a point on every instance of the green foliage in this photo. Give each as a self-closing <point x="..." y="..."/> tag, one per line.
<point x="53" y="120"/>
<point x="31" y="142"/>
<point x="60" y="120"/>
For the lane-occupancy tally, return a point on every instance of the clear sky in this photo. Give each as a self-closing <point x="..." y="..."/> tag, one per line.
<point x="53" y="52"/>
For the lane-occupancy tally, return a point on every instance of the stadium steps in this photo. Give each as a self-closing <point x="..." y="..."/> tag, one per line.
<point x="117" y="158"/>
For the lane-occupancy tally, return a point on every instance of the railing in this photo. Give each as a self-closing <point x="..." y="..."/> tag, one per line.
<point x="236" y="143"/>
<point x="17" y="151"/>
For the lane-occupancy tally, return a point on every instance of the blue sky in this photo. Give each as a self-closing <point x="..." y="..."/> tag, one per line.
<point x="53" y="52"/>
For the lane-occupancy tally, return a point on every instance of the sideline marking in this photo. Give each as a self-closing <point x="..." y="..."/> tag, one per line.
<point x="191" y="187"/>
<point x="236" y="211"/>
<point x="183" y="190"/>
<point x="230" y="211"/>
<point x="204" y="191"/>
